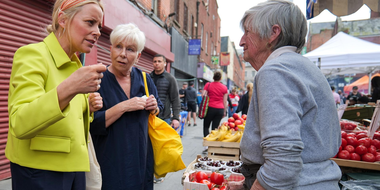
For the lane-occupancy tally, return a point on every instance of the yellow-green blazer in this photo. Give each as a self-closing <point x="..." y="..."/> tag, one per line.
<point x="40" y="135"/>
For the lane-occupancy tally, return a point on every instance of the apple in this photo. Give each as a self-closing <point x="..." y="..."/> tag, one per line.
<point x="236" y="128"/>
<point x="238" y="122"/>
<point x="231" y="119"/>
<point x="235" y="116"/>
<point x="225" y="123"/>
<point x="232" y="125"/>
<point x="244" y="116"/>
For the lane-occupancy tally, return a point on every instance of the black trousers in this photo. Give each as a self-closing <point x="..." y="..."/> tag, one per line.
<point x="214" y="115"/>
<point x="24" y="178"/>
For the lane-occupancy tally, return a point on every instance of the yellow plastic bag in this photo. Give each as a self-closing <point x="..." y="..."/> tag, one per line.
<point x="166" y="143"/>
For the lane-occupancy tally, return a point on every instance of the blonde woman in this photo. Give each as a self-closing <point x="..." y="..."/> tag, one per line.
<point x="245" y="100"/>
<point x="49" y="112"/>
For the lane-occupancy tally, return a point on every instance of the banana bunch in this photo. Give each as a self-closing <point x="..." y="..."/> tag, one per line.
<point x="217" y="135"/>
<point x="233" y="137"/>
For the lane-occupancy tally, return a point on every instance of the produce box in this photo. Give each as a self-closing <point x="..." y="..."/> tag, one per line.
<point x="223" y="150"/>
<point x="358" y="113"/>
<point x="188" y="185"/>
<point x="357" y="164"/>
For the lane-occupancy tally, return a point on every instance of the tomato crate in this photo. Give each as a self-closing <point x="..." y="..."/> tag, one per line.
<point x="188" y="185"/>
<point x="357" y="164"/>
<point x="223" y="150"/>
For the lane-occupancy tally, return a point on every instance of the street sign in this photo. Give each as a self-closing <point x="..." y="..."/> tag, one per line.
<point x="194" y="47"/>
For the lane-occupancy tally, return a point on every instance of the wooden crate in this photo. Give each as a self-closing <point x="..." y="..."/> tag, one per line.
<point x="223" y="150"/>
<point x="357" y="164"/>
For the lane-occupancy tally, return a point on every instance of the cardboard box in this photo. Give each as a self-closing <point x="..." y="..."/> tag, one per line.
<point x="357" y="164"/>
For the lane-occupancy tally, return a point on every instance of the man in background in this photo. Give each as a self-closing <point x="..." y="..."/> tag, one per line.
<point x="182" y="96"/>
<point x="191" y="99"/>
<point x="336" y="96"/>
<point x="167" y="91"/>
<point x="354" y="96"/>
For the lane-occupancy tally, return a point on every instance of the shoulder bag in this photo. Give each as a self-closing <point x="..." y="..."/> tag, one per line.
<point x="166" y="144"/>
<point x="203" y="107"/>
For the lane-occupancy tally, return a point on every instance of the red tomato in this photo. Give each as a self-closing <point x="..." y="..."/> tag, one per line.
<point x="368" y="157"/>
<point x="217" y="178"/>
<point x="361" y="135"/>
<point x="377" y="158"/>
<point x="344" y="134"/>
<point x="355" y="156"/>
<point x="351" y="135"/>
<point x="361" y="150"/>
<point x="349" y="126"/>
<point x="344" y="142"/>
<point x="375" y="143"/>
<point x="201" y="176"/>
<point x="349" y="148"/>
<point x="376" y="135"/>
<point x="344" y="154"/>
<point x="352" y="141"/>
<point x="372" y="150"/>
<point x="365" y="141"/>
<point x="231" y="119"/>
<point x="340" y="148"/>
<point x="244" y="116"/>
<point x="206" y="182"/>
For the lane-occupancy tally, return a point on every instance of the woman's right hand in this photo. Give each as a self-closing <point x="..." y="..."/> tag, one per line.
<point x="133" y="104"/>
<point x="86" y="79"/>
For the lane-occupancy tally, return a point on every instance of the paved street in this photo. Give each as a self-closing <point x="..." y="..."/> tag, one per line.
<point x="192" y="145"/>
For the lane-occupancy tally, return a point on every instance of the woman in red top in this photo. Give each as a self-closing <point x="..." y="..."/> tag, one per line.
<point x="217" y="105"/>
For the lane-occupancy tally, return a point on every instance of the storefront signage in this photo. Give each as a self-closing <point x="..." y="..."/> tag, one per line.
<point x="194" y="47"/>
<point x="215" y="59"/>
<point x="208" y="74"/>
<point x="225" y="58"/>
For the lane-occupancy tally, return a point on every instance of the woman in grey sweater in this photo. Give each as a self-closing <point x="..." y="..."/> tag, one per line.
<point x="292" y="127"/>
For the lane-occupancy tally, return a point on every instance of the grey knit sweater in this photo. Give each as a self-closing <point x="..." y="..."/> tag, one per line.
<point x="292" y="127"/>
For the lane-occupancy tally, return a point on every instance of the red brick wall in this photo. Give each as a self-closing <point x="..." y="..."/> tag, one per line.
<point x="238" y="72"/>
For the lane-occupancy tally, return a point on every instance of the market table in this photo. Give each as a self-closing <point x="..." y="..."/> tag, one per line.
<point x="358" y="113"/>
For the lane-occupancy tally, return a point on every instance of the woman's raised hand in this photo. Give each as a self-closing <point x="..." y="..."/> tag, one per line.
<point x="151" y="103"/>
<point x="133" y="104"/>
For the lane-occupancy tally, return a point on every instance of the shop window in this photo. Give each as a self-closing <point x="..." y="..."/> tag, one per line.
<point x="176" y="5"/>
<point x="185" y="16"/>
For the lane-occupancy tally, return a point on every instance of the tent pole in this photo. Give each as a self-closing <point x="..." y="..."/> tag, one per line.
<point x="319" y="62"/>
<point x="369" y="82"/>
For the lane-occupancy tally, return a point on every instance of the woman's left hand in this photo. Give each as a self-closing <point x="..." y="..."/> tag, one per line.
<point x="95" y="101"/>
<point x="151" y="103"/>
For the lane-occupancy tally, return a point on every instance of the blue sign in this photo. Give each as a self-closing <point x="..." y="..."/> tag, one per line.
<point x="194" y="47"/>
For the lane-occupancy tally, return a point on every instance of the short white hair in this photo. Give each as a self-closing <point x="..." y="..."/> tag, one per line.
<point x="128" y="32"/>
<point x="260" y="19"/>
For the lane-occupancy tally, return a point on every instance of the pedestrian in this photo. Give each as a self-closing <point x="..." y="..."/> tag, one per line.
<point x="191" y="99"/>
<point x="335" y="95"/>
<point x="48" y="102"/>
<point x="182" y="96"/>
<point x="217" y="106"/>
<point x="375" y="84"/>
<point x="245" y="100"/>
<point x="342" y="97"/>
<point x="354" y="96"/>
<point x="199" y="96"/>
<point x="292" y="116"/>
<point x="234" y="97"/>
<point x="167" y="91"/>
<point x="120" y="128"/>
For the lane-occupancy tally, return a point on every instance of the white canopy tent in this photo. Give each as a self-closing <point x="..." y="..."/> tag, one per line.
<point x="345" y="54"/>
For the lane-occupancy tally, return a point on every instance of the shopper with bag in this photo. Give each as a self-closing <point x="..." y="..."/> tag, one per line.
<point x="48" y="101"/>
<point x="120" y="128"/>
<point x="292" y="115"/>
<point x="217" y="105"/>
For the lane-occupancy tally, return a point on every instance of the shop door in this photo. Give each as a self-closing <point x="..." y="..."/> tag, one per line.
<point x="145" y="62"/>
<point x="21" y="23"/>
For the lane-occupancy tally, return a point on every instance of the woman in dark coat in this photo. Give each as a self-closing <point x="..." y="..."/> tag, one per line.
<point x="245" y="100"/>
<point x="120" y="128"/>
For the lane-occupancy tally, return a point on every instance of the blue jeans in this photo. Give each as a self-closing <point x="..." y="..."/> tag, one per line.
<point x="168" y="120"/>
<point x="234" y="108"/>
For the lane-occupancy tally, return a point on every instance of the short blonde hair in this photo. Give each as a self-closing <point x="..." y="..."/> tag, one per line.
<point x="128" y="32"/>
